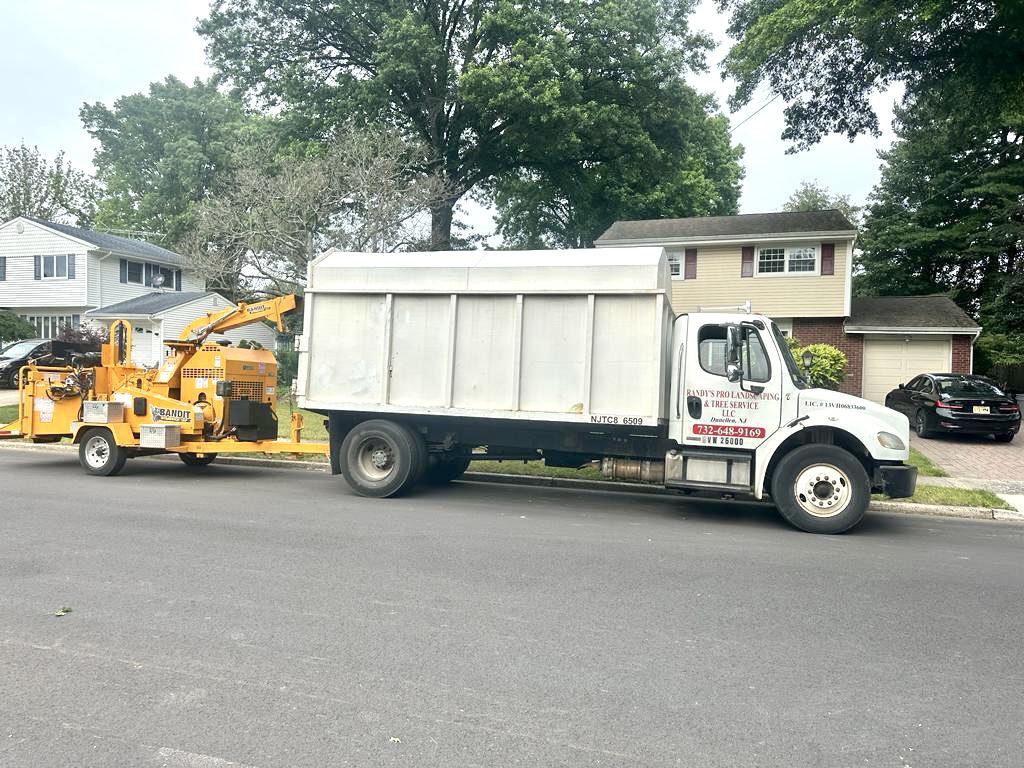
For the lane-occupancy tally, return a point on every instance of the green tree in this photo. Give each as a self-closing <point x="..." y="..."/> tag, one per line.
<point x="160" y="153"/>
<point x="815" y="196"/>
<point x="678" y="162"/>
<point x="826" y="58"/>
<point x="30" y="185"/>
<point x="13" y="327"/>
<point x="493" y="88"/>
<point x="947" y="216"/>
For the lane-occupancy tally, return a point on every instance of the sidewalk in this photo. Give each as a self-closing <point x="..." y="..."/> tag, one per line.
<point x="8" y="397"/>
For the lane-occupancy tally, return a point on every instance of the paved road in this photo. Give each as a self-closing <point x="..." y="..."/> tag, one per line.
<point x="269" y="618"/>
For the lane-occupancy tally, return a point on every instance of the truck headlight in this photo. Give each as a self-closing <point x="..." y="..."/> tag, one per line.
<point x="891" y="441"/>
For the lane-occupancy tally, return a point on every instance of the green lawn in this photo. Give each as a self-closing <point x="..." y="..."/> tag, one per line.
<point x="952" y="497"/>
<point x="924" y="465"/>
<point x="314" y="429"/>
<point x="8" y="413"/>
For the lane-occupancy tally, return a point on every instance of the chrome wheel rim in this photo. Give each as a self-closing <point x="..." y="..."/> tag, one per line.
<point x="97" y="452"/>
<point x="920" y="423"/>
<point x="823" y="490"/>
<point x="376" y="459"/>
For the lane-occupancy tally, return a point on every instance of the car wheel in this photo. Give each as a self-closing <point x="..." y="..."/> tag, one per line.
<point x="12" y="379"/>
<point x="921" y="424"/>
<point x="99" y="453"/>
<point x="195" y="460"/>
<point x="821" y="489"/>
<point x="1006" y="438"/>
<point x="380" y="458"/>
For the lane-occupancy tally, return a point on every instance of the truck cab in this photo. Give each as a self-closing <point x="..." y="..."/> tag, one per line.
<point x="745" y="419"/>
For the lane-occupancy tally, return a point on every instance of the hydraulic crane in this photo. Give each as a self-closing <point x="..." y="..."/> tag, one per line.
<point x="205" y="398"/>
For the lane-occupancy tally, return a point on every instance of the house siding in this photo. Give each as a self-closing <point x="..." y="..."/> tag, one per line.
<point x="108" y="289"/>
<point x="718" y="284"/>
<point x="20" y="290"/>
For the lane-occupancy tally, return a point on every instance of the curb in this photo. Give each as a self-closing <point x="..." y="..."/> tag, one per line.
<point x="896" y="507"/>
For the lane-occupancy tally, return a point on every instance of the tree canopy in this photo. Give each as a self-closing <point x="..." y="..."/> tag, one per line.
<point x="826" y="58"/>
<point x="13" y="328"/>
<point x="160" y="153"/>
<point x="30" y="185"/>
<point x="815" y="196"/>
<point x="497" y="91"/>
<point x="947" y="216"/>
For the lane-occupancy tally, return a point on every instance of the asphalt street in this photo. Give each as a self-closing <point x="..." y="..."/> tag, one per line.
<point x="244" y="617"/>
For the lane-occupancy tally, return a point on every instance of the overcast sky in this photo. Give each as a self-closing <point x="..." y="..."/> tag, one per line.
<point x="58" y="54"/>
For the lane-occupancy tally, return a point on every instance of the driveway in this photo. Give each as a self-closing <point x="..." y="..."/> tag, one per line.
<point x="976" y="458"/>
<point x="248" y="617"/>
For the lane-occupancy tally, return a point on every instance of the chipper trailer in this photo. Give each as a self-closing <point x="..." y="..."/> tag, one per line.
<point x="423" y="362"/>
<point x="204" y="399"/>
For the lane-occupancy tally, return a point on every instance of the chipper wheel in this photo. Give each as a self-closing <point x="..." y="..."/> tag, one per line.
<point x="100" y="454"/>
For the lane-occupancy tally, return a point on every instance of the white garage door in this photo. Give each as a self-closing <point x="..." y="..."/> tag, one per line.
<point x="893" y="360"/>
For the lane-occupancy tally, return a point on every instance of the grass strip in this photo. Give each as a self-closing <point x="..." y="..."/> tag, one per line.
<point x="926" y="466"/>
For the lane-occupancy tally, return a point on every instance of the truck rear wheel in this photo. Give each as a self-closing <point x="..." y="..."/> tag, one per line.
<point x="195" y="460"/>
<point x="99" y="453"/>
<point x="380" y="458"/>
<point x="821" y="489"/>
<point x="444" y="468"/>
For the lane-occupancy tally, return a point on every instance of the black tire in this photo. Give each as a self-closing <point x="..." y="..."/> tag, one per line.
<point x="99" y="454"/>
<point x="195" y="460"/>
<point x="921" y="424"/>
<point x="1006" y="437"/>
<point x="838" y="489"/>
<point x="444" y="468"/>
<point x="12" y="379"/>
<point x="381" y="459"/>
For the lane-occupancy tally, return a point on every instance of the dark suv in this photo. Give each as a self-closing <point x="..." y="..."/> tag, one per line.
<point x="40" y="351"/>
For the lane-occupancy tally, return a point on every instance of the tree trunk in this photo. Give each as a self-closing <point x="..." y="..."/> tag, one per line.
<point x="441" y="214"/>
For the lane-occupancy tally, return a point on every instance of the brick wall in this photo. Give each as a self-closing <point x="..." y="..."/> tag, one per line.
<point x="829" y="330"/>
<point x="962" y="354"/>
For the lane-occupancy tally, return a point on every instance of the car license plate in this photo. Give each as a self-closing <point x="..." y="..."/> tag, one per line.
<point x="982" y="409"/>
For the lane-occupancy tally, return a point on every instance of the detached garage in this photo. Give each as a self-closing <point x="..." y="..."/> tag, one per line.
<point x="903" y="336"/>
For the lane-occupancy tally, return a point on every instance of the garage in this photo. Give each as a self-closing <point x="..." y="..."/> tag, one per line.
<point x="893" y="360"/>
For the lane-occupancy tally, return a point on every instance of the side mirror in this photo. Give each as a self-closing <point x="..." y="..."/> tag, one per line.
<point x="901" y="386"/>
<point x="733" y="372"/>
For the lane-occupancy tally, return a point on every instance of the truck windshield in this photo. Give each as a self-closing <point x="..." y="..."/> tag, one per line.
<point x="787" y="356"/>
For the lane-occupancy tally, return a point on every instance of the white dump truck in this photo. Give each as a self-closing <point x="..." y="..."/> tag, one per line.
<point x="423" y="362"/>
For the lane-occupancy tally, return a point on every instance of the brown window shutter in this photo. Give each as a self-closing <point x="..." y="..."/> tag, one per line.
<point x="747" y="267"/>
<point x="828" y="258"/>
<point x="690" y="265"/>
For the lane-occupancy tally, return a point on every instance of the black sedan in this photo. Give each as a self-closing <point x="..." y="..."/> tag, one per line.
<point x="949" y="402"/>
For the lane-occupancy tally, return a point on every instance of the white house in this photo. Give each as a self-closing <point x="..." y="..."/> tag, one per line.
<point x="53" y="274"/>
<point x="161" y="316"/>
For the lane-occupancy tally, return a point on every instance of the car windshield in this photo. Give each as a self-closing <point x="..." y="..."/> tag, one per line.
<point x="968" y="386"/>
<point x="787" y="356"/>
<point x="21" y="349"/>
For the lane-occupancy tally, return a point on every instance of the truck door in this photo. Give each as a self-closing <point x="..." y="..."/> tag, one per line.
<point x="729" y="403"/>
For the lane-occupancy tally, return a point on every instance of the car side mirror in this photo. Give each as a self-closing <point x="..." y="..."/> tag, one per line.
<point x="901" y="386"/>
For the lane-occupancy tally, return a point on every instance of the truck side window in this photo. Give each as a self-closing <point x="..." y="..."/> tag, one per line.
<point x="711" y="343"/>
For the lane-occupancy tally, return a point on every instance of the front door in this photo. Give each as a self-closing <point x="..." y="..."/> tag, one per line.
<point x="718" y="413"/>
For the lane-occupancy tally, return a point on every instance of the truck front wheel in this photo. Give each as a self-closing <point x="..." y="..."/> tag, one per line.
<point x="381" y="458"/>
<point x="99" y="453"/>
<point x="821" y="489"/>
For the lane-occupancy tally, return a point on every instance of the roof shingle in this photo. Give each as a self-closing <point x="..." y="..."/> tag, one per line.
<point x="125" y="246"/>
<point x="147" y="304"/>
<point x="935" y="311"/>
<point x="753" y="224"/>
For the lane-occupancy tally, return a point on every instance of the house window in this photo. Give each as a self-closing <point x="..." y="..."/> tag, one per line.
<point x="788" y="260"/>
<point x="675" y="264"/>
<point x="143" y="273"/>
<point x="48" y="326"/>
<point x="55" y="266"/>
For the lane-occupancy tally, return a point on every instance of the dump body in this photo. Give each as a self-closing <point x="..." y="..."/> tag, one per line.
<point x="552" y="336"/>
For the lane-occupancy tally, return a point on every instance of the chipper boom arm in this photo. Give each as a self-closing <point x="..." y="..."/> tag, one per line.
<point x="199" y="329"/>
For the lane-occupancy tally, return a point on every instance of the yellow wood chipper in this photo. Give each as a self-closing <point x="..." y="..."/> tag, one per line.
<point x="204" y="399"/>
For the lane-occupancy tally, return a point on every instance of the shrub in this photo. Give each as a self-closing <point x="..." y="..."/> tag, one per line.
<point x="828" y="365"/>
<point x="13" y="328"/>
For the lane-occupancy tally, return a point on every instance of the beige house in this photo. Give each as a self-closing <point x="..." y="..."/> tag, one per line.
<point x="797" y="268"/>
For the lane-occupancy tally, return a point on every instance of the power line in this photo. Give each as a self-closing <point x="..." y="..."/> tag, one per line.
<point x="752" y="114"/>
